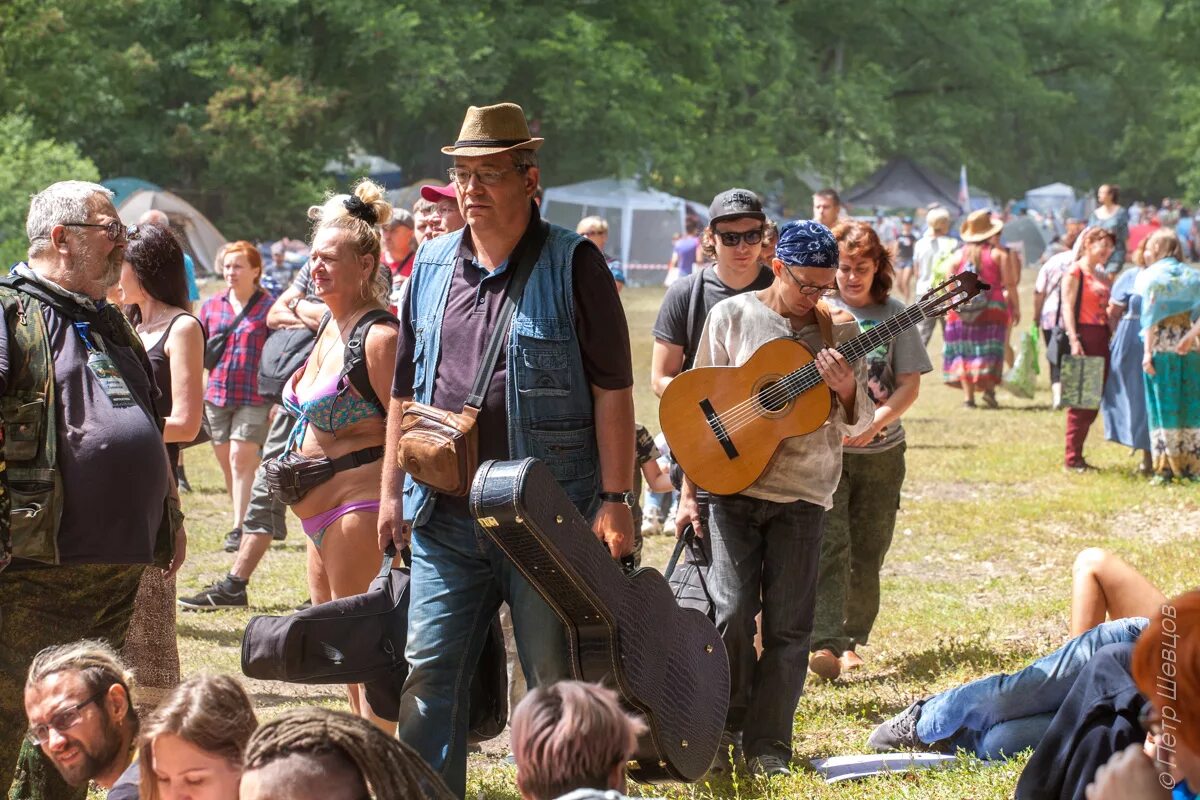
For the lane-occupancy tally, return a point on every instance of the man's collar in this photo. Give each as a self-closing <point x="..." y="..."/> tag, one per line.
<point x="466" y="249"/>
<point x="26" y="271"/>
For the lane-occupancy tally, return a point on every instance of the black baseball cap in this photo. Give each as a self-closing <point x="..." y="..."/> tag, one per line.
<point x="735" y="204"/>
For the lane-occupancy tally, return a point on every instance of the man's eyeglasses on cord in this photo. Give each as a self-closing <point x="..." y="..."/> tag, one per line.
<point x="809" y="289"/>
<point x="112" y="230"/>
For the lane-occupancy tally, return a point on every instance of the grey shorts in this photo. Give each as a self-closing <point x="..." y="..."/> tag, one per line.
<point x="243" y="423"/>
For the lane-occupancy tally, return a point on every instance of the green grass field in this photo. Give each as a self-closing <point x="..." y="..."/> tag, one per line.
<point x="977" y="579"/>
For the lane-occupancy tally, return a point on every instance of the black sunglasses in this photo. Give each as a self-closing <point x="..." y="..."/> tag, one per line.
<point x="733" y="238"/>
<point x="112" y="230"/>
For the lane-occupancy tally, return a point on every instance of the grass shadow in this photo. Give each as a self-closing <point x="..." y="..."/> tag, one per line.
<point x="191" y="631"/>
<point x="957" y="446"/>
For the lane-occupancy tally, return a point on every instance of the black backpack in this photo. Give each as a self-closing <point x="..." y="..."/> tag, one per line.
<point x="284" y="353"/>
<point x="354" y="360"/>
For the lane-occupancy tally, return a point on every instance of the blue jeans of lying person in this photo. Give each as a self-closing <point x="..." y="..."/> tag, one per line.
<point x="1001" y="715"/>
<point x="459" y="578"/>
<point x="764" y="556"/>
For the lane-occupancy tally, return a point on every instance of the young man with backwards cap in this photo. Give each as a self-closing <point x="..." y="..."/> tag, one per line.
<point x="766" y="540"/>
<point x="562" y="391"/>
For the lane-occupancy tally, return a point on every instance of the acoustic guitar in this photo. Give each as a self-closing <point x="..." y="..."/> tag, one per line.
<point x="724" y="424"/>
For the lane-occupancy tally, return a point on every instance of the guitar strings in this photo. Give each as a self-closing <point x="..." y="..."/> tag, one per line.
<point x="806" y="377"/>
<point x="801" y="380"/>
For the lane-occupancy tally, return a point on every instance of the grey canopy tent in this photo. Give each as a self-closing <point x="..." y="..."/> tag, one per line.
<point x="1053" y="198"/>
<point x="903" y="183"/>
<point x="641" y="221"/>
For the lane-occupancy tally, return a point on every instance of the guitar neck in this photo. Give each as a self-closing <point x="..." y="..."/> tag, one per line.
<point x="805" y="378"/>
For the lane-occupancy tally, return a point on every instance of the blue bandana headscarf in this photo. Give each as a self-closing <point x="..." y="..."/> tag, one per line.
<point x="804" y="243"/>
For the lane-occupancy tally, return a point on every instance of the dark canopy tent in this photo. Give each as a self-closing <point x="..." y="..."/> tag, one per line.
<point x="903" y="183"/>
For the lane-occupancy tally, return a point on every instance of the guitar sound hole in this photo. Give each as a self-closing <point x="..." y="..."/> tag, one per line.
<point x="772" y="401"/>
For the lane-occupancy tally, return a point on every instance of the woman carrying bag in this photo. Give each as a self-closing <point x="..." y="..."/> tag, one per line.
<point x="1084" y="307"/>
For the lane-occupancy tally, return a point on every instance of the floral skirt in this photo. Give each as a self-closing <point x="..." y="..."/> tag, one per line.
<point x="1173" y="403"/>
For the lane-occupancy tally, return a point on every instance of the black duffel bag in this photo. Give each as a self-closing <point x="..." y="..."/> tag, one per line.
<point x="361" y="639"/>
<point x="283" y="354"/>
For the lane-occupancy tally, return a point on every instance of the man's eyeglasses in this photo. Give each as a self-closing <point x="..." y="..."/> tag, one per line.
<point x="734" y="238"/>
<point x="809" y="289"/>
<point x="488" y="176"/>
<point x="112" y="230"/>
<point x="62" y="721"/>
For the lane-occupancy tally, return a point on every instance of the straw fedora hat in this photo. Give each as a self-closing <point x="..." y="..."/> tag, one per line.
<point x="488" y="130"/>
<point x="980" y="226"/>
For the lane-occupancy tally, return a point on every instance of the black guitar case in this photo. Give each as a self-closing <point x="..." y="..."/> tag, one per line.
<point x="667" y="663"/>
<point x="360" y="639"/>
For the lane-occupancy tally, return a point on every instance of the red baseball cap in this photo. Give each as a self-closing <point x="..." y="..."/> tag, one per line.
<point x="435" y="193"/>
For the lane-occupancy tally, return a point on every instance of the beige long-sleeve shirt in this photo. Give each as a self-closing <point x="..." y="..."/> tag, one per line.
<point x="804" y="467"/>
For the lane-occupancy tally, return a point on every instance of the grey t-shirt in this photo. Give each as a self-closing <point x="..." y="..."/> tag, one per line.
<point x="113" y="462"/>
<point x="905" y="353"/>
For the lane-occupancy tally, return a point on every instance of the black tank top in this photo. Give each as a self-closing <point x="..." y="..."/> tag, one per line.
<point x="160" y="363"/>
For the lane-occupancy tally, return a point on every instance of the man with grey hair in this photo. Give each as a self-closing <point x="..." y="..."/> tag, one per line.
<point x="92" y="497"/>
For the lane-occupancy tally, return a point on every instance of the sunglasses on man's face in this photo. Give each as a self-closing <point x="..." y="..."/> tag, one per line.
<point x="734" y="238"/>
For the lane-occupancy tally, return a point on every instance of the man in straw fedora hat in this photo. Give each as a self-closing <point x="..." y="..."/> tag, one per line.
<point x="560" y="391"/>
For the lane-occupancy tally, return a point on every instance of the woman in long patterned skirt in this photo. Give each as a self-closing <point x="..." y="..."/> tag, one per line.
<point x="1170" y="328"/>
<point x="973" y="353"/>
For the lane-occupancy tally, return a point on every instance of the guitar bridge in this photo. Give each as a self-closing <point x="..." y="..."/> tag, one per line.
<point x="718" y="429"/>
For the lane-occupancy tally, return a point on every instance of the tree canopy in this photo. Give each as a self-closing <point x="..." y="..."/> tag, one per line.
<point x="238" y="104"/>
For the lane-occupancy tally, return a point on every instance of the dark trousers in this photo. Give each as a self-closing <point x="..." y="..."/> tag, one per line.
<point x="764" y="556"/>
<point x="265" y="514"/>
<point x="858" y="533"/>
<point x="1094" y="339"/>
<point x="42" y="606"/>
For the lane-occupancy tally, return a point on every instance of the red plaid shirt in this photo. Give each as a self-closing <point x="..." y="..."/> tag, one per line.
<point x="234" y="381"/>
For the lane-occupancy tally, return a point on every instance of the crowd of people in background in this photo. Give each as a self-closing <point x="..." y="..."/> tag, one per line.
<point x="379" y="295"/>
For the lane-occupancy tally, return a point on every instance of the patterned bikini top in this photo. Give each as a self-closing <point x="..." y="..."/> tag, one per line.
<point x="330" y="406"/>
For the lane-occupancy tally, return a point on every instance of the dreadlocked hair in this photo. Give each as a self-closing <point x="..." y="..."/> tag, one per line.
<point x="389" y="768"/>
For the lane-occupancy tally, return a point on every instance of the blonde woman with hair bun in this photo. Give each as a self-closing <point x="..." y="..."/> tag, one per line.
<point x="340" y="413"/>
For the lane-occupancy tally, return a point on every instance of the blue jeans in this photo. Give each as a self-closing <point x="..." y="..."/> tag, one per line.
<point x="1001" y="715"/>
<point x="459" y="578"/>
<point x="770" y="551"/>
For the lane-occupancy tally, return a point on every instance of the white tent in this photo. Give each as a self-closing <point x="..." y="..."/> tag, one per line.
<point x="1053" y="198"/>
<point x="201" y="238"/>
<point x="641" y="221"/>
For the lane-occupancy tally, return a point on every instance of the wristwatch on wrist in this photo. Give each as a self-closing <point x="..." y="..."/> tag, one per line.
<point x="624" y="498"/>
<point x="295" y="301"/>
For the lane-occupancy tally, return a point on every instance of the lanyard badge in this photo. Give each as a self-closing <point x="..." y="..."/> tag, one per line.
<point x="104" y="370"/>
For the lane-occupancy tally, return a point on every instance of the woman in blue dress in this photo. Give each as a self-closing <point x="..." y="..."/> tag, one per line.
<point x="1124" y="403"/>
<point x="1114" y="218"/>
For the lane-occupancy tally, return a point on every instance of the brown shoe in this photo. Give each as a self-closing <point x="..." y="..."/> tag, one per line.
<point x="850" y="661"/>
<point x="824" y="663"/>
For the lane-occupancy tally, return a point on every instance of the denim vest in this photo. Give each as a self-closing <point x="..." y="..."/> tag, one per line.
<point x="548" y="397"/>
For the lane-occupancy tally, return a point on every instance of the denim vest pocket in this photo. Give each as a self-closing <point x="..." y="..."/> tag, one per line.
<point x="543" y="357"/>
<point x="569" y="456"/>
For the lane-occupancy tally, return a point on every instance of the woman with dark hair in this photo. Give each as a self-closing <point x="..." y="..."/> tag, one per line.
<point x="858" y="529"/>
<point x="1112" y="217"/>
<point x="153" y="288"/>
<point x="1084" y="308"/>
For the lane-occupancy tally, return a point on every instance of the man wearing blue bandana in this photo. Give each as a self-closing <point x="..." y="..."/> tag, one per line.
<point x="766" y="541"/>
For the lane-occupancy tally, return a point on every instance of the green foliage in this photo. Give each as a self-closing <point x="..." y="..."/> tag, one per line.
<point x="238" y="104"/>
<point x="27" y="165"/>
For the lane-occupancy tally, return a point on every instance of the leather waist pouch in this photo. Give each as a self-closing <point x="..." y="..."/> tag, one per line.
<point x="291" y="476"/>
<point x="438" y="448"/>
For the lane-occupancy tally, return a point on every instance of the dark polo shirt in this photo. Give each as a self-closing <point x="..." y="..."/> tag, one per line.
<point x="472" y="308"/>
